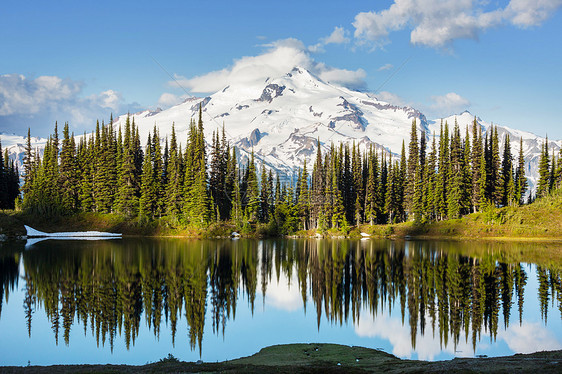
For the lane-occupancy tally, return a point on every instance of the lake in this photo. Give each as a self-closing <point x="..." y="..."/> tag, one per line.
<point x="136" y="300"/>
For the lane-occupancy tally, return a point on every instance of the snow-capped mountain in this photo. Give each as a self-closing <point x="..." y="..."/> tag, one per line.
<point x="532" y="144"/>
<point x="15" y="144"/>
<point x="282" y="118"/>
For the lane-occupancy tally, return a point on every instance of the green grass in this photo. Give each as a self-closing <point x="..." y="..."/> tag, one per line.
<point x="541" y="220"/>
<point x="322" y="358"/>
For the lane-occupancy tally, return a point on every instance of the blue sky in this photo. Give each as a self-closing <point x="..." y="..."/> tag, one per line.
<point x="78" y="61"/>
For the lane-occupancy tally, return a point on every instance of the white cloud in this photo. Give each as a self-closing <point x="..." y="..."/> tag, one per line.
<point x="530" y="337"/>
<point x="281" y="295"/>
<point x="526" y="13"/>
<point x="385" y="67"/>
<point x="338" y="36"/>
<point x="168" y="100"/>
<point x="39" y="102"/>
<point x="279" y="58"/>
<point x="448" y="104"/>
<point x="439" y="23"/>
<point x="399" y="335"/>
<point x="391" y="98"/>
<point x="21" y="95"/>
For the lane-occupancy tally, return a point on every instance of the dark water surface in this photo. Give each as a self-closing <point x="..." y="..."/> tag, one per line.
<point x="137" y="300"/>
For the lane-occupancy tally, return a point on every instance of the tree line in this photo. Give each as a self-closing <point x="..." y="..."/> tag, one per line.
<point x="9" y="181"/>
<point x="110" y="172"/>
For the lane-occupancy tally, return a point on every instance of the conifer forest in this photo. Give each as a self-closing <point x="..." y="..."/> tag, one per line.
<point x="112" y="170"/>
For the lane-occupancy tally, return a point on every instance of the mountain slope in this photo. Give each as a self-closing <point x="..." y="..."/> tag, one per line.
<point x="282" y="118"/>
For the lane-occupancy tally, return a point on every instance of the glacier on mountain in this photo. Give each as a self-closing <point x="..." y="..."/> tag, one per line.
<point x="281" y="119"/>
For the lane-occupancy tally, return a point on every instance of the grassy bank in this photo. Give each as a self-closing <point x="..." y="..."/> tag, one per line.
<point x="321" y="358"/>
<point x="541" y="220"/>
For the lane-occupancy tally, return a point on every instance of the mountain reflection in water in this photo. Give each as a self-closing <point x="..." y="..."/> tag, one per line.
<point x="454" y="291"/>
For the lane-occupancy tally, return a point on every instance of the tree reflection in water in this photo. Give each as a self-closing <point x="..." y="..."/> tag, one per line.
<point x="447" y="287"/>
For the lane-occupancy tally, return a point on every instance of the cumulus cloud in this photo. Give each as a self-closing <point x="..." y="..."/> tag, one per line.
<point x="39" y="102"/>
<point x="281" y="295"/>
<point x="168" y="100"/>
<point x="392" y="98"/>
<point x="279" y="58"/>
<point x="448" y="104"/>
<point x="530" y="337"/>
<point x="525" y="338"/>
<point x="428" y="346"/>
<point x="338" y="36"/>
<point x="439" y="23"/>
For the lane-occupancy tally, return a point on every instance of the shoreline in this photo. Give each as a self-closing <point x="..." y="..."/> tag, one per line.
<point x="320" y="357"/>
<point x="12" y="228"/>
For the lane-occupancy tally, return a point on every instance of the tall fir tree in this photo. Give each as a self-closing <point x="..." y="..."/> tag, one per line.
<point x="303" y="204"/>
<point x="68" y="178"/>
<point x="127" y="198"/>
<point x="544" y="172"/>
<point x="496" y="178"/>
<point x="253" y="197"/>
<point x="520" y="178"/>
<point x="173" y="182"/>
<point x="508" y="193"/>
<point x="147" y="200"/>
<point x="412" y="174"/>
<point x="475" y="163"/>
<point x="27" y="164"/>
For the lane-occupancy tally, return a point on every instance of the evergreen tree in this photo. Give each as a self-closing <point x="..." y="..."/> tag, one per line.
<point x="392" y="198"/>
<point x="412" y="175"/>
<point x="544" y="172"/>
<point x="442" y="174"/>
<point x="173" y="182"/>
<point x="430" y="211"/>
<point x="475" y="162"/>
<point x="558" y="182"/>
<point x="371" y="211"/>
<point x="230" y="179"/>
<point x="338" y="209"/>
<point x="318" y="189"/>
<point x="358" y="189"/>
<point x="483" y="195"/>
<point x="418" y="203"/>
<point x="264" y="196"/>
<point x="159" y="173"/>
<point x="253" y="197"/>
<point x="236" y="213"/>
<point x="303" y="204"/>
<point x="201" y="198"/>
<point x="466" y="193"/>
<point x="148" y="193"/>
<point x="509" y="193"/>
<point x="3" y="182"/>
<point x="68" y="174"/>
<point x="496" y="178"/>
<point x="86" y="169"/>
<point x="27" y="164"/>
<point x="381" y="192"/>
<point x="127" y="199"/>
<point x="346" y="182"/>
<point x="455" y="176"/>
<point x="520" y="179"/>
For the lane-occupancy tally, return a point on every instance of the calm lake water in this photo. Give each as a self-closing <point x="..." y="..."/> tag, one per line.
<point x="137" y="300"/>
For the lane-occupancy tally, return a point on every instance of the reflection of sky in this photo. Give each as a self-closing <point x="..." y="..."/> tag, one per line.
<point x="531" y="336"/>
<point x="279" y="319"/>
